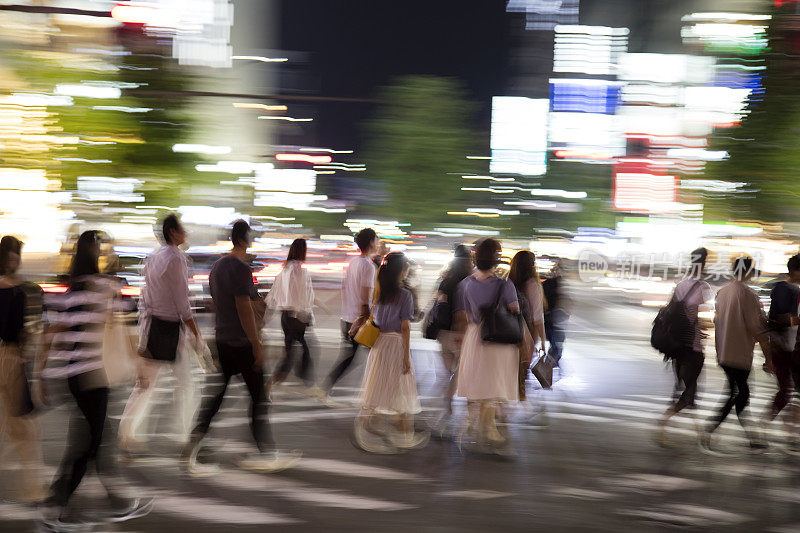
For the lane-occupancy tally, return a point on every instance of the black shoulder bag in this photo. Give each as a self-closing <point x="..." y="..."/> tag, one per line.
<point x="498" y="324"/>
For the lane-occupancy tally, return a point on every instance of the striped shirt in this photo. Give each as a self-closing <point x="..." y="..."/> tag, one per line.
<point x="82" y="312"/>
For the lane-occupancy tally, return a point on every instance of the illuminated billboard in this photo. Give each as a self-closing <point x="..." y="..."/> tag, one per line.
<point x="519" y="135"/>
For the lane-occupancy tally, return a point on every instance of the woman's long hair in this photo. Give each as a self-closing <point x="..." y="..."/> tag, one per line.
<point x="297" y="251"/>
<point x="389" y="282"/>
<point x="8" y="245"/>
<point x="84" y="262"/>
<point x="523" y="269"/>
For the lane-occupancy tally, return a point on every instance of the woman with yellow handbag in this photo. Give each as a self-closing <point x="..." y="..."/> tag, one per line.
<point x="390" y="389"/>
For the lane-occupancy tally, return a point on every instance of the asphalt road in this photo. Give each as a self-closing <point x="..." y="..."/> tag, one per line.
<point x="586" y="461"/>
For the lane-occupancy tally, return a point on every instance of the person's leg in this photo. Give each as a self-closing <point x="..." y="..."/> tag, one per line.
<point x="743" y="398"/>
<point x="259" y="409"/>
<point x="305" y="372"/>
<point x="349" y="349"/>
<point x="447" y="340"/>
<point x="558" y="334"/>
<point x="211" y="405"/>
<point x="782" y="364"/>
<point x="285" y="365"/>
<point x="139" y="403"/>
<point x="730" y="402"/>
<point x="186" y="394"/>
<point x="85" y="438"/>
<point x="688" y="373"/>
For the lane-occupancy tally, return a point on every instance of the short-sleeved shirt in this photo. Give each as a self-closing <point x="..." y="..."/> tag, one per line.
<point x="693" y="293"/>
<point x="229" y="278"/>
<point x="81" y="313"/>
<point x="389" y="316"/>
<point x="360" y="273"/>
<point x="784" y="300"/>
<point x="474" y="294"/>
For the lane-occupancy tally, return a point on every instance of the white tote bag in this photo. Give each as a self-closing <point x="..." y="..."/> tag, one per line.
<point x="119" y="351"/>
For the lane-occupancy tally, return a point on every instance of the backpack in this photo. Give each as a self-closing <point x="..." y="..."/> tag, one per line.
<point x="673" y="331"/>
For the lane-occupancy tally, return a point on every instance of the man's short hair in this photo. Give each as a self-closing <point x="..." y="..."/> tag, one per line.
<point x="699" y="256"/>
<point x="239" y="233"/>
<point x="742" y="266"/>
<point x="793" y="263"/>
<point x="365" y="238"/>
<point x="171" y="222"/>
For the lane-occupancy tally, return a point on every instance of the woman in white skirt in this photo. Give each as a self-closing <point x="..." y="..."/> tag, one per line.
<point x="487" y="372"/>
<point x="390" y="389"/>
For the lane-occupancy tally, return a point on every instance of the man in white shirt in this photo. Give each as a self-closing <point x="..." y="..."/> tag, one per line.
<point x="357" y="287"/>
<point x="694" y="292"/>
<point x="163" y="308"/>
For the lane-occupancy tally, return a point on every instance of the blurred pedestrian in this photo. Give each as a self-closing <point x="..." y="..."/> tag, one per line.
<point x="693" y="292"/>
<point x="449" y="338"/>
<point x="74" y="338"/>
<point x="293" y="295"/>
<point x="16" y="403"/>
<point x="389" y="386"/>
<point x="239" y="350"/>
<point x="380" y="253"/>
<point x="556" y="314"/>
<point x="357" y="287"/>
<point x="739" y="322"/>
<point x="164" y="309"/>
<point x="783" y="357"/>
<point x="487" y="372"/>
<point x="525" y="277"/>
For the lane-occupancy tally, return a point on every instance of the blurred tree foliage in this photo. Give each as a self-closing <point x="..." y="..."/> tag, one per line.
<point x="113" y="142"/>
<point x="417" y="144"/>
<point x="763" y="149"/>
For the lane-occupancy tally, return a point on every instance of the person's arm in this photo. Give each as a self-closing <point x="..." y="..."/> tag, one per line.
<point x="405" y="331"/>
<point x="244" y="308"/>
<point x="177" y="277"/>
<point x="535" y="296"/>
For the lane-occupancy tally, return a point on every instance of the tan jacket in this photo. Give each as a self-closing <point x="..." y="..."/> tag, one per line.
<point x="738" y="321"/>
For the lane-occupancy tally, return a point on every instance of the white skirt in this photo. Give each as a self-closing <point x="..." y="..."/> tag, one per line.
<point x="385" y="388"/>
<point x="487" y="371"/>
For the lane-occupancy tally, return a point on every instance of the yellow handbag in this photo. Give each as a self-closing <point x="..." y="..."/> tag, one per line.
<point x="367" y="334"/>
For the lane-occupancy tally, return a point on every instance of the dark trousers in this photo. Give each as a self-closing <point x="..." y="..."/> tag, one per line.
<point x="555" y="331"/>
<point x="85" y="437"/>
<point x="294" y="331"/>
<point x="738" y="394"/>
<point x="349" y="349"/>
<point x="787" y="372"/>
<point x="239" y="360"/>
<point x="688" y="366"/>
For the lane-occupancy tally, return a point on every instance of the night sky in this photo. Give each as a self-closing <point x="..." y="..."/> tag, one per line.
<point x="356" y="46"/>
<point x="349" y="48"/>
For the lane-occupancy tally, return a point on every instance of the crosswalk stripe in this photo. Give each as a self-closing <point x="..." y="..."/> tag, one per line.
<point x="346" y="468"/>
<point x="217" y="511"/>
<point x="301" y="492"/>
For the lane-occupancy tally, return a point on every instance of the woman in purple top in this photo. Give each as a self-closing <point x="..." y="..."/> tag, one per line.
<point x="487" y="372"/>
<point x="389" y="385"/>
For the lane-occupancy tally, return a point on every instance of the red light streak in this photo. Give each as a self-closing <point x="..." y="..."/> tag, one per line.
<point x="52" y="288"/>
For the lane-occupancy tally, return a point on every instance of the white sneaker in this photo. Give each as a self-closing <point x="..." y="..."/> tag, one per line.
<point x="271" y="461"/>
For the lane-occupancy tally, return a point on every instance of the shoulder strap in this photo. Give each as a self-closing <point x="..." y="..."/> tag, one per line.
<point x="691" y="291"/>
<point x="499" y="291"/>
